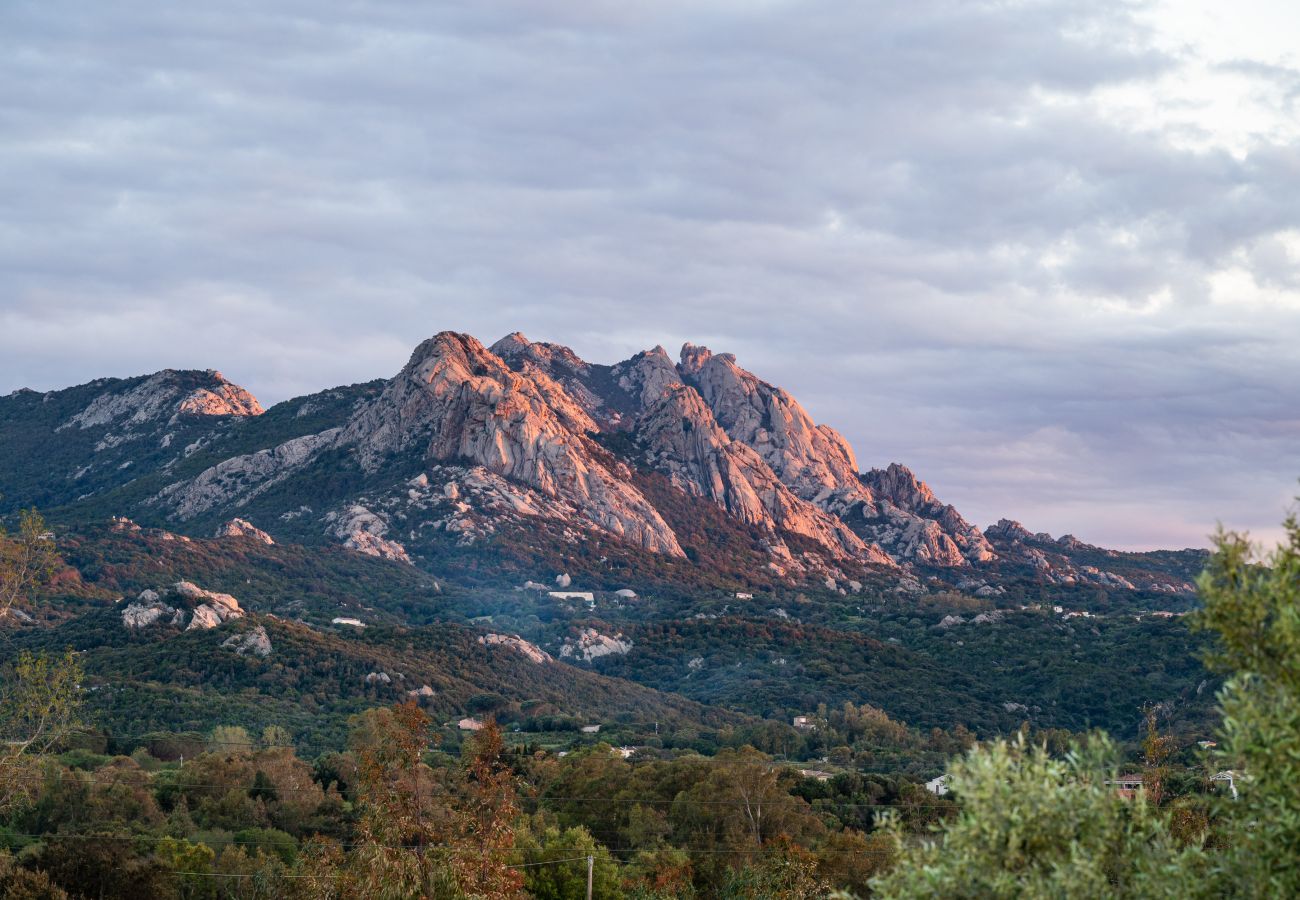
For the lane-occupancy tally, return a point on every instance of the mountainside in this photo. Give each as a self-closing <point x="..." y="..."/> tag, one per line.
<point x="468" y="444"/>
<point x="666" y="548"/>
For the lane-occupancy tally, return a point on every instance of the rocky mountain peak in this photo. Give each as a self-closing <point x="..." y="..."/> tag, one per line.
<point x="931" y="530"/>
<point x="1009" y="530"/>
<point x="813" y="460"/>
<point x="901" y="487"/>
<point x="647" y="376"/>
<point x="164" y="397"/>
<point x="515" y="349"/>
<point x="512" y="343"/>
<point x="456" y="400"/>
<point x="693" y="358"/>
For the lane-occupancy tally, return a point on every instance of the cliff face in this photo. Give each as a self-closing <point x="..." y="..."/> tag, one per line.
<point x="814" y="461"/>
<point x="456" y="400"/>
<point x="908" y="517"/>
<point x="683" y="440"/>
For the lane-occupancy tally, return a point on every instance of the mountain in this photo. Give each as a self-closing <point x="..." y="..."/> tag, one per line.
<point x="523" y="451"/>
<point x="652" y="542"/>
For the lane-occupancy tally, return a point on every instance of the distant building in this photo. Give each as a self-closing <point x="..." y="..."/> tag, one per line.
<point x="1229" y="776"/>
<point x="355" y="623"/>
<point x="468" y="724"/>
<point x="1127" y="785"/>
<point x="804" y="723"/>
<point x="741" y="595"/>
<point x="816" y="773"/>
<point x="590" y="729"/>
<point x="937" y="786"/>
<point x="584" y="596"/>
<point x="625" y="752"/>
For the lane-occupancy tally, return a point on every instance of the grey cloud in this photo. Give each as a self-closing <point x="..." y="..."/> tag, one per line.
<point x="909" y="214"/>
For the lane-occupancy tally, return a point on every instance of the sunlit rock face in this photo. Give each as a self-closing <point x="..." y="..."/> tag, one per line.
<point x="919" y="525"/>
<point x="165" y="396"/>
<point x="684" y="440"/>
<point x="591" y="644"/>
<point x="520" y="426"/>
<point x="813" y="460"/>
<point x="455" y="400"/>
<point x="242" y="528"/>
<point x="184" y="599"/>
<point x="513" y="642"/>
<point x="363" y="531"/>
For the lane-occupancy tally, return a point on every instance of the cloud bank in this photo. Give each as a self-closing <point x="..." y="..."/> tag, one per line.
<point x="1046" y="253"/>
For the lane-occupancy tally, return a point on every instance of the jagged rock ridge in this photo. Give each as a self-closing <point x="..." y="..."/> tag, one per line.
<point x="467" y="440"/>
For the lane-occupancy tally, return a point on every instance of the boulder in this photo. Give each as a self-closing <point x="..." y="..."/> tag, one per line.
<point x="255" y="642"/>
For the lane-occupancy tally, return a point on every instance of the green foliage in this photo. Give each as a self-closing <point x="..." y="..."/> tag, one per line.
<point x="40" y="704"/>
<point x="556" y="861"/>
<point x="1035" y="826"/>
<point x="1253" y="605"/>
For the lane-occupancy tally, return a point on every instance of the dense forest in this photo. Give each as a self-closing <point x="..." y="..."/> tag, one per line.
<point x="523" y="798"/>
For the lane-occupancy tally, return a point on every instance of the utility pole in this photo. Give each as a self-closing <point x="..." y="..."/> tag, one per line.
<point x="591" y="861"/>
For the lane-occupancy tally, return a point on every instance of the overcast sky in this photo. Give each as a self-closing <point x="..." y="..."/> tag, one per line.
<point x="1045" y="253"/>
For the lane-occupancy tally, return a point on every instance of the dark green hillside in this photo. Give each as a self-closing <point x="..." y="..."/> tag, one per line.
<point x="171" y="680"/>
<point x="43" y="466"/>
<point x="315" y="583"/>
<point x="1030" y="666"/>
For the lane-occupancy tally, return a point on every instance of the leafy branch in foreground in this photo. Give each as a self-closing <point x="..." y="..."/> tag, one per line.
<point x="39" y="699"/>
<point x="39" y="706"/>
<point x="1034" y="825"/>
<point x="1252" y="601"/>
<point x="27" y="561"/>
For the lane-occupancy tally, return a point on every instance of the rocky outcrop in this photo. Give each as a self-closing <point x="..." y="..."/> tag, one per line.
<point x="242" y="528"/>
<point x="251" y="643"/>
<point x="207" y="609"/>
<point x="363" y="531"/>
<point x="148" y="609"/>
<point x="683" y="439"/>
<point x="213" y="608"/>
<point x="591" y="644"/>
<point x="166" y="396"/>
<point x="1008" y="530"/>
<point x="456" y="400"/>
<point x="909" y="521"/>
<point x="814" y="461"/>
<point x="560" y="365"/>
<point x="647" y="376"/>
<point x="518" y="644"/>
<point x="235" y="481"/>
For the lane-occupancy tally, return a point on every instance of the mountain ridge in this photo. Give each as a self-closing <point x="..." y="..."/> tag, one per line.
<point x="536" y="434"/>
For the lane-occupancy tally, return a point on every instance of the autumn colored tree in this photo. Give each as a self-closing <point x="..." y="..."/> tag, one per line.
<point x="484" y="818"/>
<point x="27" y="561"/>
<point x="403" y="822"/>
<point x="39" y="698"/>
